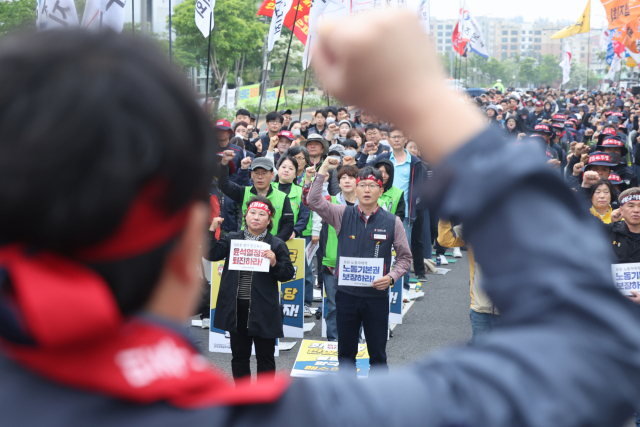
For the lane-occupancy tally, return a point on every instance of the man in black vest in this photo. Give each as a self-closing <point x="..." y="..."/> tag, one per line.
<point x="365" y="233"/>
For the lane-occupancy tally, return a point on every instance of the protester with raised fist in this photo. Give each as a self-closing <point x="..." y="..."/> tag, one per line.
<point x="248" y="302"/>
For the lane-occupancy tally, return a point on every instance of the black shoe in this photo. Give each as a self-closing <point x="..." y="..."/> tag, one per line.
<point x="422" y="277"/>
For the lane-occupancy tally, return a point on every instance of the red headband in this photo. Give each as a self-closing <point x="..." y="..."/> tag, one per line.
<point x="261" y="206"/>
<point x="371" y="177"/>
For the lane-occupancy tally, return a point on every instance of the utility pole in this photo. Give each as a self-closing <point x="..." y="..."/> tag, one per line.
<point x="143" y="17"/>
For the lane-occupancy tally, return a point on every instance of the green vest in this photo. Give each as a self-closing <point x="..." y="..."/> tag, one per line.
<point x="331" y="248"/>
<point x="295" y="197"/>
<point x="390" y="199"/>
<point x="276" y="197"/>
<point x="308" y="229"/>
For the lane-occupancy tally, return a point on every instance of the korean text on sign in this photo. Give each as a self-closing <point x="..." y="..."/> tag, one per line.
<point x="360" y="271"/>
<point x="248" y="256"/>
<point x="626" y="277"/>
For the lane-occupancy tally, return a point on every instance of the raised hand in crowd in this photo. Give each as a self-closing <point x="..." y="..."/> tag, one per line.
<point x="329" y="164"/>
<point x="245" y="163"/>
<point x="310" y="173"/>
<point x="577" y="169"/>
<point x="215" y="223"/>
<point x="227" y="156"/>
<point x="616" y="215"/>
<point x="555" y="164"/>
<point x="259" y="146"/>
<point x="590" y="178"/>
<point x="304" y="124"/>
<point x="273" y="143"/>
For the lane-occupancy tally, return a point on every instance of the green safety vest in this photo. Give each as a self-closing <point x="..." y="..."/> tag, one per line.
<point x="308" y="229"/>
<point x="295" y="197"/>
<point x="276" y="197"/>
<point x="331" y="248"/>
<point x="390" y="199"/>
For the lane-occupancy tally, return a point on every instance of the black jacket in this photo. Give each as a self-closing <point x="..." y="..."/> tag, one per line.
<point x="265" y="312"/>
<point x="624" y="245"/>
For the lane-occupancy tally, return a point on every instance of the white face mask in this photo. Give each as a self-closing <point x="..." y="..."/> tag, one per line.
<point x="384" y="142"/>
<point x="239" y="135"/>
<point x="351" y="153"/>
<point x="296" y="132"/>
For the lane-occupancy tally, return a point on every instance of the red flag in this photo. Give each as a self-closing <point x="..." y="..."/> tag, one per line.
<point x="302" y="22"/>
<point x="458" y="44"/>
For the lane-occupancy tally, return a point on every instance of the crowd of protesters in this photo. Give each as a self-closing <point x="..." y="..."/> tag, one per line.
<point x="104" y="203"/>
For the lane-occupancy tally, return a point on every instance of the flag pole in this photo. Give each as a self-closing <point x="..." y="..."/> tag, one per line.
<point x="133" y="19"/>
<point x="286" y="60"/>
<point x="588" y="59"/>
<point x="304" y="83"/>
<point x="170" y="60"/>
<point x="206" y="90"/>
<point x="263" y="89"/>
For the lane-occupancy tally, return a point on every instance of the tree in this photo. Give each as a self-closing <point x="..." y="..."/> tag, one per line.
<point x="526" y="71"/>
<point x="17" y="14"/>
<point x="494" y="68"/>
<point x="548" y="71"/>
<point x="279" y="52"/>
<point x="237" y="31"/>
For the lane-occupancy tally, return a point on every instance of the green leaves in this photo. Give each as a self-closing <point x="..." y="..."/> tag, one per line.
<point x="17" y="14"/>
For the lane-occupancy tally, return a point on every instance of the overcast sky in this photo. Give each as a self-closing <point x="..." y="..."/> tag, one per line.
<point x="530" y="10"/>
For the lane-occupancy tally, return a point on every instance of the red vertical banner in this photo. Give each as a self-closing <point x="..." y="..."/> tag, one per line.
<point x="301" y="29"/>
<point x="456" y="40"/>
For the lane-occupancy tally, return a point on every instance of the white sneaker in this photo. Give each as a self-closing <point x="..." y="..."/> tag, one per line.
<point x="457" y="253"/>
<point x="443" y="260"/>
<point x="307" y="312"/>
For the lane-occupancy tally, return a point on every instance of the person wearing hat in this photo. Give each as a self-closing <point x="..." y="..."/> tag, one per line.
<point x="278" y="145"/>
<point x="599" y="166"/>
<point x="535" y="117"/>
<point x="368" y="233"/>
<point x="225" y="133"/>
<point x="546" y="132"/>
<point x="248" y="302"/>
<point x="317" y="147"/>
<point x="286" y="118"/>
<point x="498" y="85"/>
<point x="262" y="171"/>
<point x="616" y="146"/>
<point x="344" y="126"/>
<point x="616" y="181"/>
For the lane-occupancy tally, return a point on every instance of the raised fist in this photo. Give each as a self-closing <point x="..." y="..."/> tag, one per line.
<point x="227" y="156"/>
<point x="245" y="163"/>
<point x="577" y="169"/>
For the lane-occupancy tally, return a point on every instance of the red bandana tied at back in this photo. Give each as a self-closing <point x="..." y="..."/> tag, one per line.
<point x="81" y="339"/>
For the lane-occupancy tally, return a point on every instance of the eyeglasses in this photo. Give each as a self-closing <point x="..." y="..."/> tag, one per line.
<point x="369" y="186"/>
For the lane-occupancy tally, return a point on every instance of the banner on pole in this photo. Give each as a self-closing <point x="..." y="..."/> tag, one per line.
<point x="281" y="8"/>
<point x="582" y="25"/>
<point x="566" y="63"/>
<point x="471" y="34"/>
<point x="252" y="92"/>
<point x="316" y="358"/>
<point x="423" y="16"/>
<point x="292" y="292"/>
<point x="53" y="14"/>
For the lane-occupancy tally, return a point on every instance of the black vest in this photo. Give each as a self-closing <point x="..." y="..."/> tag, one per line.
<point x="373" y="239"/>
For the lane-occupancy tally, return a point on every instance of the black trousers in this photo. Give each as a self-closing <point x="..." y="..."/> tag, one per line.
<point x="417" y="245"/>
<point x="241" y="348"/>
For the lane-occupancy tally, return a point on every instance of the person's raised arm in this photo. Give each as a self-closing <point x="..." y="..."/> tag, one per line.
<point x="329" y="212"/>
<point x="228" y="187"/>
<point x="217" y="250"/>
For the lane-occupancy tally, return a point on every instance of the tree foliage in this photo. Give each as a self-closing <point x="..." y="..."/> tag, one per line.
<point x="17" y="14"/>
<point x="237" y="31"/>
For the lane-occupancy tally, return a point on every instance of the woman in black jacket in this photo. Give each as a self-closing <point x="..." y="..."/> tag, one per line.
<point x="248" y="304"/>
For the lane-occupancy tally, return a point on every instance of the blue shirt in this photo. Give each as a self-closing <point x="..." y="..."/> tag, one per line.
<point x="402" y="177"/>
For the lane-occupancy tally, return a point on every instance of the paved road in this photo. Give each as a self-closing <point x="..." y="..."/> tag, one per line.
<point x="438" y="319"/>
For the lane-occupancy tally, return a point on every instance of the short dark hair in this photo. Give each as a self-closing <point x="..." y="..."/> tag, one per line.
<point x="356" y="131"/>
<point x="294" y="150"/>
<point x="395" y="128"/>
<point x="284" y="157"/>
<point x="274" y="115"/>
<point x="264" y="200"/>
<point x="350" y="170"/>
<point x="372" y="126"/>
<point x="369" y="170"/>
<point x="606" y="182"/>
<point x="349" y="143"/>
<point x="332" y="110"/>
<point x="60" y="191"/>
<point x="243" y="112"/>
<point x="343" y="109"/>
<point x="322" y="111"/>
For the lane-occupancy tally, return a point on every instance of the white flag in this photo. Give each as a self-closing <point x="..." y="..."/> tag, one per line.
<point x="91" y="15"/>
<point x="112" y="14"/>
<point x="315" y="12"/>
<point x="423" y="16"/>
<point x="277" y="21"/>
<point x="57" y="14"/>
<point x="604" y="39"/>
<point x="361" y="6"/>
<point x="204" y="16"/>
<point x="615" y="67"/>
<point x="566" y="63"/>
<point x="471" y="33"/>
